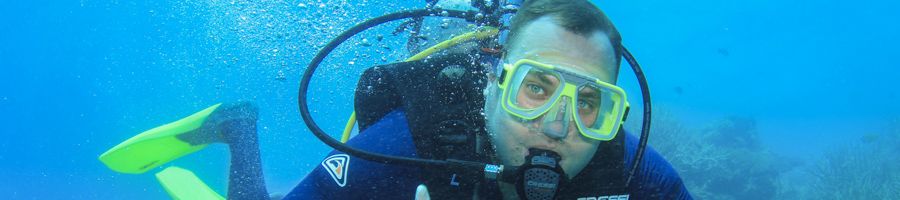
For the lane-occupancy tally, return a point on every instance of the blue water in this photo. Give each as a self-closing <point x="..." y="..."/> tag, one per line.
<point x="78" y="77"/>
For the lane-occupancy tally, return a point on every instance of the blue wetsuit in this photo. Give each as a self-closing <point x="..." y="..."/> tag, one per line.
<point x="341" y="176"/>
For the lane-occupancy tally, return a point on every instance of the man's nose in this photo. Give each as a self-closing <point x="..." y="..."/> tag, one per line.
<point x="556" y="130"/>
<point x="556" y="123"/>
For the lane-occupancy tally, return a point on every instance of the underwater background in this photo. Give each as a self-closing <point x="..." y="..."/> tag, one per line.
<point x="785" y="99"/>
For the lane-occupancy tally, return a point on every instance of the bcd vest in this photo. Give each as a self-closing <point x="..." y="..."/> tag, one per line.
<point x="443" y="99"/>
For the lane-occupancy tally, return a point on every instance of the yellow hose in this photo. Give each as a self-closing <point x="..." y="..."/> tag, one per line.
<point x="348" y="128"/>
<point x="478" y="34"/>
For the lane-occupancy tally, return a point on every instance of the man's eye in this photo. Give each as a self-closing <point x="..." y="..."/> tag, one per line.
<point x="584" y="105"/>
<point x="535" y="89"/>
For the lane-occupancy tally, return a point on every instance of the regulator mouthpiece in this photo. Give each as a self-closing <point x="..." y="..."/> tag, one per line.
<point x="541" y="177"/>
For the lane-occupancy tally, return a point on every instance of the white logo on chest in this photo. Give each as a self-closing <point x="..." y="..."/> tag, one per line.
<point x="337" y="165"/>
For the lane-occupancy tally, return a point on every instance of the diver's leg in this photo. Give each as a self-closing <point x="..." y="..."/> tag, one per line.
<point x="236" y="126"/>
<point x="245" y="178"/>
<point x="233" y="124"/>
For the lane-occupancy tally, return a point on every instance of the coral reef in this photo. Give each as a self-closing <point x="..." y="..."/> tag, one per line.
<point x="725" y="160"/>
<point x="865" y="169"/>
<point x="722" y="161"/>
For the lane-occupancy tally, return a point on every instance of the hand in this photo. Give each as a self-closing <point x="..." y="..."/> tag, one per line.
<point x="422" y="193"/>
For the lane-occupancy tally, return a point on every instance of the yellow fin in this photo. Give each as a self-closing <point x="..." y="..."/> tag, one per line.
<point x="181" y="183"/>
<point x="156" y="146"/>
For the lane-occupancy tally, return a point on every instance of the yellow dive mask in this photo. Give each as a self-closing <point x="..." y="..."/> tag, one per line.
<point x="536" y="92"/>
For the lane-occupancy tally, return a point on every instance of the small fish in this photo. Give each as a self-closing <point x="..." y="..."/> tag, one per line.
<point x="723" y="51"/>
<point x="869" y="138"/>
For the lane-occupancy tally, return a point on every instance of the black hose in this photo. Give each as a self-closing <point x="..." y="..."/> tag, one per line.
<point x="645" y="128"/>
<point x="314" y="64"/>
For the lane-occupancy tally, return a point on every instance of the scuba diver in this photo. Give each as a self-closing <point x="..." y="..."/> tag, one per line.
<point x="529" y="110"/>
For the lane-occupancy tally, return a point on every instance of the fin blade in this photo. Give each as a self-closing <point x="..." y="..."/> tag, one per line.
<point x="181" y="183"/>
<point x="156" y="146"/>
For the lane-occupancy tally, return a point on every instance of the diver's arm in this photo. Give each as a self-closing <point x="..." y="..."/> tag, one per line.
<point x="656" y="178"/>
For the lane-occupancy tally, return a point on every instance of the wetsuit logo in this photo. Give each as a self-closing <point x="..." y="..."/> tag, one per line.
<point x="610" y="197"/>
<point x="337" y="166"/>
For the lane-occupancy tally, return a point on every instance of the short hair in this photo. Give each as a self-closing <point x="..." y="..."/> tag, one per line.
<point x="578" y="16"/>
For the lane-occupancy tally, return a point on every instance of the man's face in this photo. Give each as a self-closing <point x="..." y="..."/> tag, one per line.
<point x="544" y="41"/>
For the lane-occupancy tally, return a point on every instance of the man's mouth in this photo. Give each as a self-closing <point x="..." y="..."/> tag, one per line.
<point x="527" y="152"/>
<point x="547" y="157"/>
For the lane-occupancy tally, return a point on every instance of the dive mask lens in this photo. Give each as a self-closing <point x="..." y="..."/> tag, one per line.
<point x="537" y="90"/>
<point x="533" y="90"/>
<point x="600" y="109"/>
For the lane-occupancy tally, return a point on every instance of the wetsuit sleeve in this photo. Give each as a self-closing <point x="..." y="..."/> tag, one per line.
<point x="656" y="178"/>
<point x="340" y="176"/>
